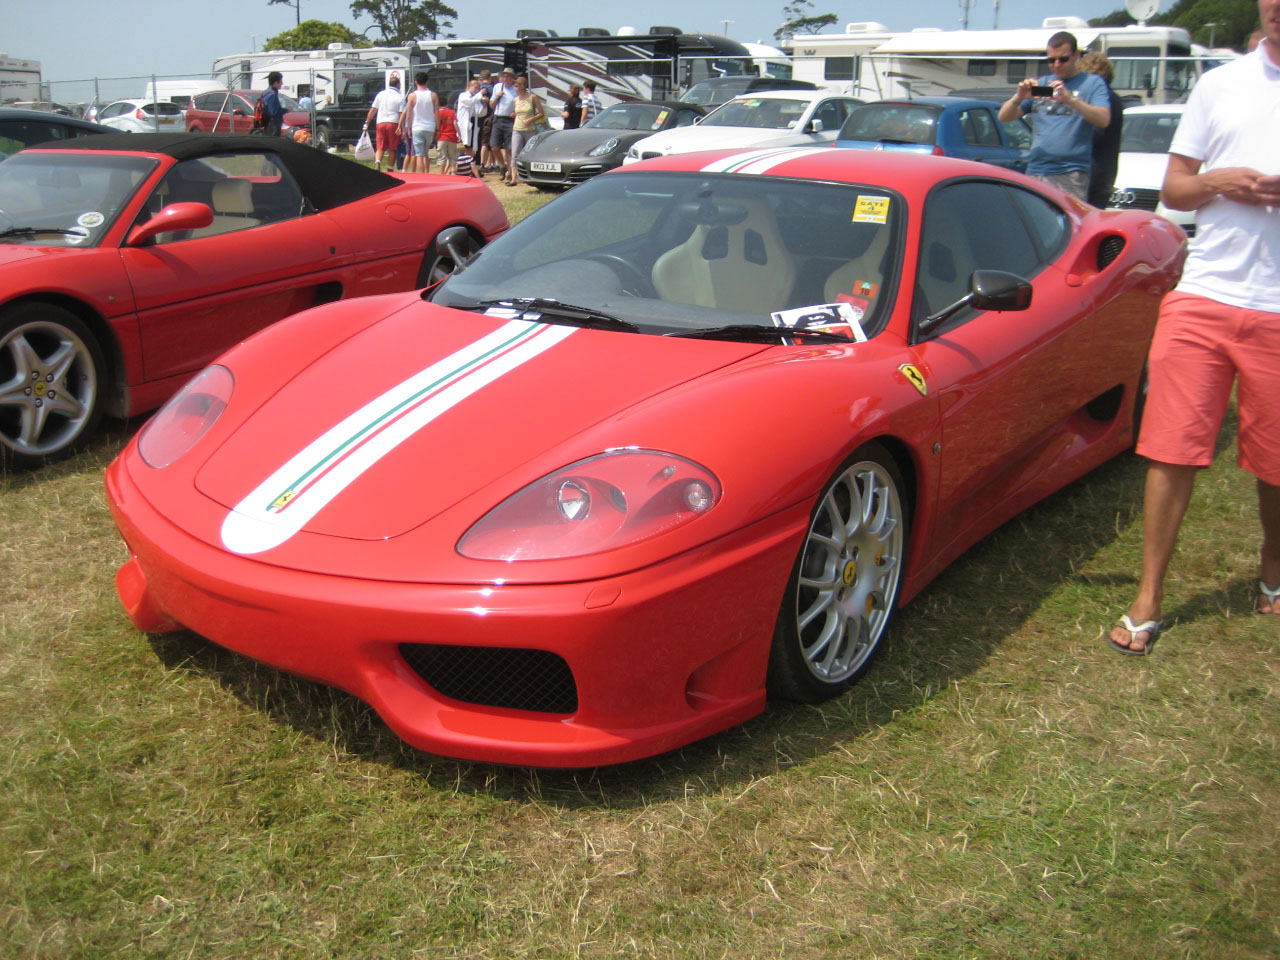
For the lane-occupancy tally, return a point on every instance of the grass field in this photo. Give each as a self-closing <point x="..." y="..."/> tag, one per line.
<point x="1001" y="785"/>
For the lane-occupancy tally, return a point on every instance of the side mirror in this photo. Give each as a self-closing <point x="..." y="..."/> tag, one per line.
<point x="453" y="242"/>
<point x="815" y="125"/>
<point x="238" y="113"/>
<point x="988" y="290"/>
<point x="176" y="216"/>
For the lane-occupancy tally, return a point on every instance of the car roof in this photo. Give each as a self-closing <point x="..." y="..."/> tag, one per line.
<point x="808" y="95"/>
<point x="932" y="102"/>
<point x="1165" y="108"/>
<point x="14" y="113"/>
<point x="913" y="175"/>
<point x="326" y="180"/>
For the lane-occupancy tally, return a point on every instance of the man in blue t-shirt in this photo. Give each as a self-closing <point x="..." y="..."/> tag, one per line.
<point x="1062" y="122"/>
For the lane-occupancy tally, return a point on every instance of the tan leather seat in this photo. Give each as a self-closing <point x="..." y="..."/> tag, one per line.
<point x="867" y="267"/>
<point x="232" y="202"/>
<point x="740" y="266"/>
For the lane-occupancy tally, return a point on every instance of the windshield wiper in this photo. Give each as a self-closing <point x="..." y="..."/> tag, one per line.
<point x="42" y="232"/>
<point x="755" y="333"/>
<point x="554" y="311"/>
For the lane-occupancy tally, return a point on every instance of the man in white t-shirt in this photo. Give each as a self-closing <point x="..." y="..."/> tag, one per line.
<point x="1221" y="323"/>
<point x="387" y="107"/>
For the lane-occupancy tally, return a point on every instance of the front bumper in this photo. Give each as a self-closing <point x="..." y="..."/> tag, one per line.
<point x="570" y="174"/>
<point x="656" y="658"/>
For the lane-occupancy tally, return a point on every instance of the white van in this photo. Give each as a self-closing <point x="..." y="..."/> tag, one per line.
<point x="178" y="91"/>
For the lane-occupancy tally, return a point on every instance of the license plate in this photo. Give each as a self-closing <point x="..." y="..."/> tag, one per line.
<point x="538" y="166"/>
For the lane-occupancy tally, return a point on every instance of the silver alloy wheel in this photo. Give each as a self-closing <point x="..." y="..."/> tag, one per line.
<point x="849" y="571"/>
<point x="48" y="388"/>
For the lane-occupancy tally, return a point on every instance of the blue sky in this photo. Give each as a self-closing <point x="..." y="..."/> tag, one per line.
<point x="79" y="39"/>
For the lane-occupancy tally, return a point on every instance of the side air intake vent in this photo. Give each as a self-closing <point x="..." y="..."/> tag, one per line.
<point x="1108" y="250"/>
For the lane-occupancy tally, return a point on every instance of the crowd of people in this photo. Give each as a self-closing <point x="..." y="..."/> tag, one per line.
<point x="482" y="130"/>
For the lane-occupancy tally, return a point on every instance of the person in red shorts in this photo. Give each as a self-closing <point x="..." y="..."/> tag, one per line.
<point x="387" y="107"/>
<point x="1221" y="324"/>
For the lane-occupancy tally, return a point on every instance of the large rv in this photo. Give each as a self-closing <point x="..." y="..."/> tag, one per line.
<point x="324" y="71"/>
<point x="1152" y="64"/>
<point x="625" y="66"/>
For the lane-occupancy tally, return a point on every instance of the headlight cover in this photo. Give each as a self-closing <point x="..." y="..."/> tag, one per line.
<point x="187" y="417"/>
<point x="612" y="500"/>
<point x="600" y="150"/>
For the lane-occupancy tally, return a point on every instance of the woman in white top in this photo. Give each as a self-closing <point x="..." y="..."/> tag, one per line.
<point x="419" y="120"/>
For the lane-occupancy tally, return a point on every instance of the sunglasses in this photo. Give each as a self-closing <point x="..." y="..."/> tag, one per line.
<point x="1066" y="59"/>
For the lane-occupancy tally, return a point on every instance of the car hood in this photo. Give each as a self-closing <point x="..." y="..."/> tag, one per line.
<point x="419" y="411"/>
<point x="1145" y="170"/>
<point x="701" y="137"/>
<point x="576" y="143"/>
<point x="17" y="252"/>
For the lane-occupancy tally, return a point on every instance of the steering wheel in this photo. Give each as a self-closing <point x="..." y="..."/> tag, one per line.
<point x="634" y="283"/>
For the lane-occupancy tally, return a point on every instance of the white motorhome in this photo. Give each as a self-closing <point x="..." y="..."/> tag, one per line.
<point x="835" y="61"/>
<point x="324" y="70"/>
<point x="1152" y="64"/>
<point x="19" y="79"/>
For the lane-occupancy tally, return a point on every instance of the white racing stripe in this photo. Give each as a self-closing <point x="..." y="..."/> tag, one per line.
<point x="282" y="504"/>
<point x="761" y="161"/>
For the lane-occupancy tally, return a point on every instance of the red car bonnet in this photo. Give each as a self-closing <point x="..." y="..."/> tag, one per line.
<point x="486" y="423"/>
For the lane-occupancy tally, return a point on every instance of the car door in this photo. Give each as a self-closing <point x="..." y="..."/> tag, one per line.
<point x="984" y="139"/>
<point x="832" y="113"/>
<point x="1008" y="383"/>
<point x="199" y="292"/>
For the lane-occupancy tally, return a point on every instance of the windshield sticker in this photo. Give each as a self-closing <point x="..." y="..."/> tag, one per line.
<point x="871" y="210"/>
<point x="91" y="220"/>
<point x="840" y="318"/>
<point x="662" y="116"/>
<point x="76" y="235"/>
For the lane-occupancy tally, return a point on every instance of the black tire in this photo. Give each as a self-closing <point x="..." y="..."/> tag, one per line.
<point x="844" y="583"/>
<point x="436" y="267"/>
<point x="321" y="137"/>
<point x="52" y="381"/>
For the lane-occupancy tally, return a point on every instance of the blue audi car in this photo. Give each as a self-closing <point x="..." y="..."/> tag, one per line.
<point x="946" y="126"/>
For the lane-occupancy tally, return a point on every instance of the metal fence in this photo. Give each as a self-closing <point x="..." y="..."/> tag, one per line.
<point x="79" y="95"/>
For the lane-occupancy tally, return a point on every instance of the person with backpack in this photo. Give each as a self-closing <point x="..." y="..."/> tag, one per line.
<point x="268" y="114"/>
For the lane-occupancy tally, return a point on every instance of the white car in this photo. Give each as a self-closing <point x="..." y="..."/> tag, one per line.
<point x="1144" y="157"/>
<point x="771" y="118"/>
<point x="140" y="116"/>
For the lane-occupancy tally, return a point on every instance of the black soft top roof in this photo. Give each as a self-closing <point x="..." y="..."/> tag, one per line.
<point x="326" y="180"/>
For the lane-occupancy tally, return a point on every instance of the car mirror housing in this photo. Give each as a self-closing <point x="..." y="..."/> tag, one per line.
<point x="816" y="125"/>
<point x="176" y="216"/>
<point x="988" y="290"/>
<point x="452" y="242"/>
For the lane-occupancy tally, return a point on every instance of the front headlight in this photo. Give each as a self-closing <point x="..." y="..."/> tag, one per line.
<point x="608" y="146"/>
<point x="187" y="417"/>
<point x="533" y="141"/>
<point x="612" y="500"/>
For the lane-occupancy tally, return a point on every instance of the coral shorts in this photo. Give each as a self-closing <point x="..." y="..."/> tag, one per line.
<point x="388" y="137"/>
<point x="1200" y="348"/>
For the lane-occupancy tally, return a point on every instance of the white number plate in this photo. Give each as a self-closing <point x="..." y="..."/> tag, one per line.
<point x="541" y="167"/>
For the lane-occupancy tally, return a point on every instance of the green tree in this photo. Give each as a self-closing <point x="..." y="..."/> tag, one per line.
<point x="313" y="35"/>
<point x="1233" y="20"/>
<point x="798" y="18"/>
<point x="401" y="21"/>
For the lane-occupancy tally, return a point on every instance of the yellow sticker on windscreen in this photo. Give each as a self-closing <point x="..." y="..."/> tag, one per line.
<point x="871" y="210"/>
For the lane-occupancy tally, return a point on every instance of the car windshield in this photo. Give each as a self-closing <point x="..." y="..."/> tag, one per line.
<point x="709" y="92"/>
<point x="896" y="122"/>
<point x="1148" y="132"/>
<point x="66" y="200"/>
<point x="165" y="109"/>
<point x="631" y="116"/>
<point x="691" y="253"/>
<point x="773" y="113"/>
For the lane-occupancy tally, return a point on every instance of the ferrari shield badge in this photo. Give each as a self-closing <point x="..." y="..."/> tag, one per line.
<point x="915" y="377"/>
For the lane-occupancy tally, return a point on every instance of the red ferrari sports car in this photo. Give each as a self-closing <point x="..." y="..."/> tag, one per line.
<point x="687" y="434"/>
<point x="131" y="261"/>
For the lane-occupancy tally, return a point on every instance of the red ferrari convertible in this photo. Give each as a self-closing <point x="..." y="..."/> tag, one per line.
<point x="131" y="261"/>
<point x="686" y="435"/>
